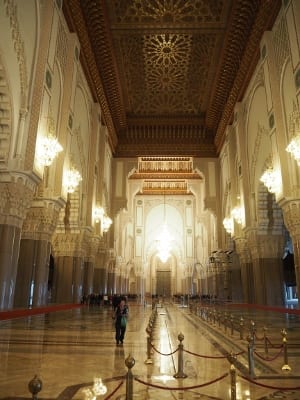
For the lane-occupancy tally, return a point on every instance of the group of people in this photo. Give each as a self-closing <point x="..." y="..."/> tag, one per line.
<point x="120" y="315"/>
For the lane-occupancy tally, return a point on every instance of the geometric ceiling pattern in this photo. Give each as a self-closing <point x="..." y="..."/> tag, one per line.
<point x="167" y="73"/>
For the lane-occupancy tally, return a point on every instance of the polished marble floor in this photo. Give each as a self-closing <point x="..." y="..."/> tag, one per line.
<point x="70" y="351"/>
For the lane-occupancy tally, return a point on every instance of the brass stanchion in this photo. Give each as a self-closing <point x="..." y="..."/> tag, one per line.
<point x="241" y="328"/>
<point x="225" y="322"/>
<point x="129" y="362"/>
<point x="231" y="324"/>
<point x="35" y="386"/>
<point x="286" y="366"/>
<point x="149" y="360"/>
<point x="266" y="340"/>
<point x="252" y="331"/>
<point x="180" y="373"/>
<point x="232" y="358"/>
<point x="250" y="355"/>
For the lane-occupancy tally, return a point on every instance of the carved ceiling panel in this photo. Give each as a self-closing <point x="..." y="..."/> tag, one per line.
<point x="167" y="73"/>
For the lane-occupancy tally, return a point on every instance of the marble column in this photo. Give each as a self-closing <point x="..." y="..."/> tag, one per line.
<point x="111" y="282"/>
<point x="9" y="252"/>
<point x="88" y="280"/>
<point x="33" y="273"/>
<point x="266" y="253"/>
<point x="34" y="259"/>
<point x="68" y="279"/>
<point x="246" y="270"/>
<point x="16" y="193"/>
<point x="291" y="216"/>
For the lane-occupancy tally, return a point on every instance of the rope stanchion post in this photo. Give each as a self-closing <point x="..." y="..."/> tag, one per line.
<point x="241" y="328"/>
<point x="285" y="366"/>
<point x="219" y="319"/>
<point x="225" y="322"/>
<point x="180" y="373"/>
<point x="231" y="324"/>
<point x="129" y="362"/>
<point x="266" y="340"/>
<point x="250" y="355"/>
<point x="252" y="331"/>
<point x="232" y="358"/>
<point x="149" y="360"/>
<point x="35" y="386"/>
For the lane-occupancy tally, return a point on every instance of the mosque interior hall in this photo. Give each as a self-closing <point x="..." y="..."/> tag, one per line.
<point x="150" y="150"/>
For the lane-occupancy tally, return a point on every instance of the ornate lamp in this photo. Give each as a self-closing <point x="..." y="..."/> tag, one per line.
<point x="294" y="129"/>
<point x="228" y="225"/>
<point x="48" y="146"/>
<point x="71" y="180"/>
<point x="271" y="179"/>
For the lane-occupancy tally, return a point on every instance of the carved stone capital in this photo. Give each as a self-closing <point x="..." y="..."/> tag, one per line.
<point x="241" y="246"/>
<point x="291" y="216"/>
<point x="68" y="244"/>
<point x="16" y="194"/>
<point x="41" y="219"/>
<point x="264" y="246"/>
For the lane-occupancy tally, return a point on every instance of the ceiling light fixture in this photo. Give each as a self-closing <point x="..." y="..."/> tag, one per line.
<point x="294" y="129"/>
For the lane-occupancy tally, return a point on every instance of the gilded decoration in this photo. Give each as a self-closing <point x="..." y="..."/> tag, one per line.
<point x="169" y="72"/>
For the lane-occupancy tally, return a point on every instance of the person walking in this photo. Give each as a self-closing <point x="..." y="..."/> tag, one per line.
<point x="120" y="316"/>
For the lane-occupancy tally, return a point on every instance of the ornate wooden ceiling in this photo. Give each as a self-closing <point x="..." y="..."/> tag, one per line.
<point x="167" y="73"/>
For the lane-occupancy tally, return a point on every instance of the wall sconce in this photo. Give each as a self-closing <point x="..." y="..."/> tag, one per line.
<point x="294" y="129"/>
<point x="271" y="179"/>
<point x="228" y="225"/>
<point x="48" y="146"/>
<point x="71" y="180"/>
<point x="238" y="214"/>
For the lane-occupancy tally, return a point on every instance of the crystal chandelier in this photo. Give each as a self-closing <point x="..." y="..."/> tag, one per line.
<point x="271" y="179"/>
<point x="106" y="223"/>
<point x="48" y="146"/>
<point x="228" y="225"/>
<point x="294" y="129"/>
<point x="71" y="180"/>
<point x="238" y="214"/>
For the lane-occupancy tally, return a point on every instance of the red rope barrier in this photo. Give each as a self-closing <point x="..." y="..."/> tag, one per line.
<point x="269" y="359"/>
<point x="181" y="388"/>
<point x="213" y="357"/>
<point x="112" y="393"/>
<point x="201" y="355"/>
<point x="268" y="386"/>
<point x="164" y="354"/>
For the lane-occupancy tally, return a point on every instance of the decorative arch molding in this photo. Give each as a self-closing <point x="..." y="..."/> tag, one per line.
<point x="5" y="117"/>
<point x="261" y="131"/>
<point x="18" y="44"/>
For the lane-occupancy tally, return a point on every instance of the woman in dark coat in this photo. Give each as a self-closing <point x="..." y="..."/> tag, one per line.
<point x="120" y="316"/>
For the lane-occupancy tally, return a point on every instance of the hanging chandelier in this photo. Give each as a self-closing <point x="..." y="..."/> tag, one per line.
<point x="71" y="180"/>
<point x="228" y="225"/>
<point x="47" y="146"/>
<point x="294" y="129"/>
<point x="238" y="214"/>
<point x="271" y="179"/>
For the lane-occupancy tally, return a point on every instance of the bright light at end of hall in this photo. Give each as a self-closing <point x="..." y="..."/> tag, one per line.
<point x="164" y="244"/>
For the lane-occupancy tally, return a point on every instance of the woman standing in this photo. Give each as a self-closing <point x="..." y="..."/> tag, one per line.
<point x="120" y="316"/>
